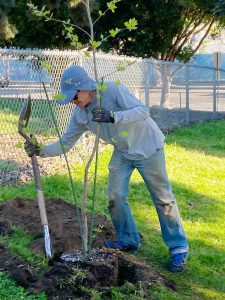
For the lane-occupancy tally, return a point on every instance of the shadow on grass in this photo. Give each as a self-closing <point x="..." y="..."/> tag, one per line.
<point x="208" y="137"/>
<point x="193" y="206"/>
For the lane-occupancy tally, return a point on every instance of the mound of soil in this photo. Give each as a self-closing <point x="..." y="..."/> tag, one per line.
<point x="66" y="280"/>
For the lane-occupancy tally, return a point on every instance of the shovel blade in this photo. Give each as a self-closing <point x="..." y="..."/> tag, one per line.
<point x="24" y="119"/>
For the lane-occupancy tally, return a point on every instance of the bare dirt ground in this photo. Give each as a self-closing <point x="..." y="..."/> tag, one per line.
<point x="63" y="280"/>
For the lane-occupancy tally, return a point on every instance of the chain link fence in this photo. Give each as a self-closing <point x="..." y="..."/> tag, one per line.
<point x="182" y="94"/>
<point x="177" y="95"/>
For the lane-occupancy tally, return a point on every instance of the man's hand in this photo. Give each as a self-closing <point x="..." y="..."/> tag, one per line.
<point x="100" y="114"/>
<point x="32" y="147"/>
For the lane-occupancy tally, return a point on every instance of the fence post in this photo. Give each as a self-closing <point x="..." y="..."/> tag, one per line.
<point x="214" y="92"/>
<point x="187" y="110"/>
<point x="180" y="98"/>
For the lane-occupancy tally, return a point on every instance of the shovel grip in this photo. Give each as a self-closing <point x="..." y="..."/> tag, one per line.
<point x="40" y="196"/>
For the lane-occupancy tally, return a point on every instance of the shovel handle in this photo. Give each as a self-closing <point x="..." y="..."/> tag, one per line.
<point x="40" y="196"/>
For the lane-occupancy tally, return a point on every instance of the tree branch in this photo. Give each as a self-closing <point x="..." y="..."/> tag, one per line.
<point x="193" y="19"/>
<point x="191" y="32"/>
<point x="204" y="36"/>
<point x="65" y="23"/>
<point x="100" y="16"/>
<point x="203" y="27"/>
<point x="183" y="35"/>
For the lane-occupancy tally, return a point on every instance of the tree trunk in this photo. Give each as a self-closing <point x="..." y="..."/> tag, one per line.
<point x="166" y="75"/>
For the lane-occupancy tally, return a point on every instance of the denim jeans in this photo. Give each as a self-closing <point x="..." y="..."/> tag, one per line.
<point x="154" y="174"/>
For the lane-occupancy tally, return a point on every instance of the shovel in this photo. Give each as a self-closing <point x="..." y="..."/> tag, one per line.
<point x="23" y="121"/>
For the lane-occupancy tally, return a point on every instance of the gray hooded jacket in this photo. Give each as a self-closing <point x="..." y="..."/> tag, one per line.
<point x="134" y="133"/>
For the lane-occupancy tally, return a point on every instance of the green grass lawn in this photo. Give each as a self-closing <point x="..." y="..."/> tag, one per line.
<point x="195" y="162"/>
<point x="40" y="120"/>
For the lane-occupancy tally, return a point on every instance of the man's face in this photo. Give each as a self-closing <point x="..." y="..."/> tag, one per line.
<point x="83" y="98"/>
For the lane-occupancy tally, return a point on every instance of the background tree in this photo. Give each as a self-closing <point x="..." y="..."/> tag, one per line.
<point x="7" y="30"/>
<point x="168" y="30"/>
<point x="166" y="27"/>
<point x="35" y="34"/>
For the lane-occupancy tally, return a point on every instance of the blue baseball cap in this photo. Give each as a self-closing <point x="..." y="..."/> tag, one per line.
<point x="74" y="79"/>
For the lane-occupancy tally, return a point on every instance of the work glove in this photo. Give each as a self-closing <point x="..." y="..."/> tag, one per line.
<point x="32" y="147"/>
<point x="100" y="114"/>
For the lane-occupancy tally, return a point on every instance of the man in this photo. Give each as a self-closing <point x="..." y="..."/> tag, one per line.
<point x="138" y="144"/>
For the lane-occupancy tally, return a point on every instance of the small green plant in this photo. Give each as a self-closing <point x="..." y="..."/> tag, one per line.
<point x="75" y="278"/>
<point x="98" y="230"/>
<point x="95" y="295"/>
<point x="130" y="290"/>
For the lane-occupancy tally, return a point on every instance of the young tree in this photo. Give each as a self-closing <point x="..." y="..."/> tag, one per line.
<point x="93" y="44"/>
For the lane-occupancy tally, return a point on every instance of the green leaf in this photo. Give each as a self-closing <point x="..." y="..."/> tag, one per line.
<point x="87" y="53"/>
<point x="75" y="38"/>
<point x="78" y="45"/>
<point x="113" y="32"/>
<point x="120" y="68"/>
<point x="60" y="97"/>
<point x="33" y="139"/>
<point x="23" y="122"/>
<point x="19" y="145"/>
<point x="100" y="13"/>
<point x="98" y="96"/>
<point x="124" y="134"/>
<point x="39" y="13"/>
<point x="95" y="43"/>
<point x="46" y="133"/>
<point x="31" y="5"/>
<point x="46" y="66"/>
<point x="27" y="130"/>
<point x="40" y="146"/>
<point x="131" y="24"/>
<point x="72" y="36"/>
<point x="49" y="132"/>
<point x="102" y="87"/>
<point x="111" y="6"/>
<point x="53" y="130"/>
<point x="69" y="29"/>
<point x="68" y="22"/>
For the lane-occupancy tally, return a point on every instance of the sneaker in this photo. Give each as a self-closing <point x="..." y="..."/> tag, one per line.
<point x="120" y="245"/>
<point x="177" y="263"/>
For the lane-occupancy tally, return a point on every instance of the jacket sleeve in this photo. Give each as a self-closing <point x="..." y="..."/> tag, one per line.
<point x="69" y="138"/>
<point x="132" y="109"/>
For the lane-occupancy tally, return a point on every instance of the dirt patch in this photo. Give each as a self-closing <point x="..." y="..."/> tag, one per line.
<point x="66" y="280"/>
